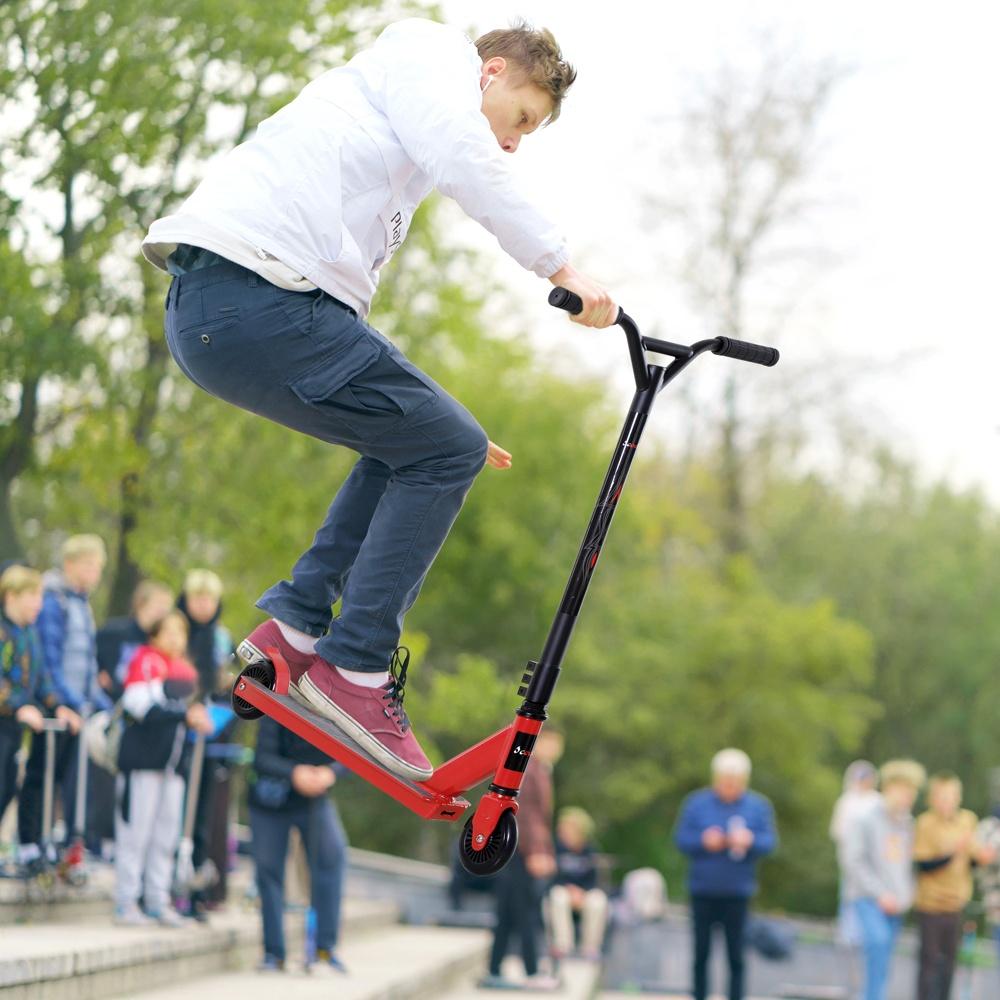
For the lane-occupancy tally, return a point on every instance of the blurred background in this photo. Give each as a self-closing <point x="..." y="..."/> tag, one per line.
<point x="806" y="562"/>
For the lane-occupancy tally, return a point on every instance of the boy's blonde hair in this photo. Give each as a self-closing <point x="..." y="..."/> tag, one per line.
<point x="202" y="581"/>
<point x="582" y="818"/>
<point x="908" y="772"/>
<point x="82" y="546"/>
<point x="19" y="580"/>
<point x="536" y="54"/>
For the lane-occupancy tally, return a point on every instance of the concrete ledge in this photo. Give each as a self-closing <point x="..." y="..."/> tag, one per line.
<point x="78" y="962"/>
<point x="399" y="963"/>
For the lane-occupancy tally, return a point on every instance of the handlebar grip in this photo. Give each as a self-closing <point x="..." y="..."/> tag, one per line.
<point x="744" y="351"/>
<point x="563" y="298"/>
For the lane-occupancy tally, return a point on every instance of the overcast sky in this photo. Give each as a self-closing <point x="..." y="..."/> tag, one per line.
<point x="910" y="175"/>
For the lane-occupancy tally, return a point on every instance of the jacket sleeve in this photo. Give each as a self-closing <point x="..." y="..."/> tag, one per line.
<point x="51" y="625"/>
<point x="11" y="687"/>
<point x="144" y="697"/>
<point x="858" y="858"/>
<point x="268" y="759"/>
<point x="690" y="827"/>
<point x="42" y="691"/>
<point x="434" y="105"/>
<point x="764" y="829"/>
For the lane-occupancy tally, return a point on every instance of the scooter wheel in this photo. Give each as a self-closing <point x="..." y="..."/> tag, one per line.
<point x="263" y="673"/>
<point x="497" y="851"/>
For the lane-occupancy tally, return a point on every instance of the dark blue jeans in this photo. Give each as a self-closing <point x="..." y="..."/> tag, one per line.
<point x="326" y="850"/>
<point x="305" y="360"/>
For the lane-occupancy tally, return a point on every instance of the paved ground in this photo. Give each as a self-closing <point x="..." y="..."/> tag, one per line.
<point x="657" y="956"/>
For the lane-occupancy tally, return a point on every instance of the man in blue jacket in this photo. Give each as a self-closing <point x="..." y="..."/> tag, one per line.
<point x="724" y="830"/>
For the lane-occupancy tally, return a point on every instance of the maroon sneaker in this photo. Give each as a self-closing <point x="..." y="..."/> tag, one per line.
<point x="372" y="717"/>
<point x="252" y="649"/>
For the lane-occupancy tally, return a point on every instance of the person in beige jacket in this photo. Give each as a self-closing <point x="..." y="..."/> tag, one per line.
<point x="944" y="849"/>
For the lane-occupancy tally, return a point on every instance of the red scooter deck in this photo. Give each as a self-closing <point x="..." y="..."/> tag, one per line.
<point x="436" y="798"/>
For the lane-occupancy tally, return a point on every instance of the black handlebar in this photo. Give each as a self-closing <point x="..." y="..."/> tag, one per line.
<point x="563" y="298"/>
<point x="745" y="351"/>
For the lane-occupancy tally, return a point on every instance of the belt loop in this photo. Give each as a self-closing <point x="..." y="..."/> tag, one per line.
<point x="253" y="279"/>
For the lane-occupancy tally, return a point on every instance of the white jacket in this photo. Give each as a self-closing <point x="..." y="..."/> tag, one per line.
<point x="328" y="185"/>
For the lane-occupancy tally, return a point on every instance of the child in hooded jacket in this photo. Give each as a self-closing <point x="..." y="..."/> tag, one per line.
<point x="159" y="686"/>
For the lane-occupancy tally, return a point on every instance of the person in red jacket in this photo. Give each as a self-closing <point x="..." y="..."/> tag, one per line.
<point x="159" y="687"/>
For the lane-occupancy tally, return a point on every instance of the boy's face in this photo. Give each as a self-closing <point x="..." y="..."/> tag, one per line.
<point x="571" y="834"/>
<point x="202" y="607"/>
<point x="158" y="605"/>
<point x="23" y="608"/>
<point x="945" y="798"/>
<point x="513" y="108"/>
<point x="899" y="796"/>
<point x="172" y="637"/>
<point x="84" y="572"/>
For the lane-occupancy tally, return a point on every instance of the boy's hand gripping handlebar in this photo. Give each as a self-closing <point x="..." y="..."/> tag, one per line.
<point x="563" y="298"/>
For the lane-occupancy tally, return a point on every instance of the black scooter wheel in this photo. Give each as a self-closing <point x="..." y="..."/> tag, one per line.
<point x="498" y="850"/>
<point x="263" y="673"/>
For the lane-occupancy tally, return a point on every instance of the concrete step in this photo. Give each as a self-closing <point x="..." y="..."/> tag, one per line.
<point x="31" y="901"/>
<point x="55" y="901"/>
<point x="580" y="981"/>
<point x="397" y="963"/>
<point x="72" y="961"/>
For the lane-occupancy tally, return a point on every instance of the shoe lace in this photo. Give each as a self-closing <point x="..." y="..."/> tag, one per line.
<point x="393" y="689"/>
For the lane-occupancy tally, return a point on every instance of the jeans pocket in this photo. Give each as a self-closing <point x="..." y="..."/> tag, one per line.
<point x="204" y="331"/>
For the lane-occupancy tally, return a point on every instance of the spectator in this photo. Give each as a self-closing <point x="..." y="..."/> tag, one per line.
<point x="877" y="869"/>
<point x="988" y="874"/>
<point x="158" y="688"/>
<point x="521" y="884"/>
<point x="288" y="788"/>
<point x="945" y="848"/>
<point x="68" y="635"/>
<point x="575" y="894"/>
<point x="859" y="795"/>
<point x="119" y="638"/>
<point x="25" y="694"/>
<point x="117" y="641"/>
<point x="724" y="830"/>
<point x="210" y="646"/>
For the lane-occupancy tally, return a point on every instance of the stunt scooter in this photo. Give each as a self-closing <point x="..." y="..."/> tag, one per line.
<point x="490" y="836"/>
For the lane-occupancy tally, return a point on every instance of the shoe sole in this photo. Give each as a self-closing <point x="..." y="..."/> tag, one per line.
<point x="306" y="693"/>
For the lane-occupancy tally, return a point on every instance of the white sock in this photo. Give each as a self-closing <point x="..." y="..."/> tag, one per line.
<point x="364" y="678"/>
<point x="299" y="641"/>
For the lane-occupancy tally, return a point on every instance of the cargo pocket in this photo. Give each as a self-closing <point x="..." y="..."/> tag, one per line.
<point x="365" y="389"/>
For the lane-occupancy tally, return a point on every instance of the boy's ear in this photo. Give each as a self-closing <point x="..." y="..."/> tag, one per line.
<point x="494" y="66"/>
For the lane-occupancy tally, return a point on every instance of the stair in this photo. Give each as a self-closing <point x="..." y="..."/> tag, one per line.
<point x="580" y="981"/>
<point x="85" y="961"/>
<point x="397" y="963"/>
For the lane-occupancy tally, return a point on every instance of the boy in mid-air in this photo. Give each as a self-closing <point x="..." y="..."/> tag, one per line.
<point x="276" y="257"/>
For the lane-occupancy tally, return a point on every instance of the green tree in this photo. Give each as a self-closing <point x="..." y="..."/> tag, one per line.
<point x="114" y="104"/>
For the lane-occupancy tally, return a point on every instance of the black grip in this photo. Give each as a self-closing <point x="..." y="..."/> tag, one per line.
<point x="563" y="298"/>
<point x="744" y="351"/>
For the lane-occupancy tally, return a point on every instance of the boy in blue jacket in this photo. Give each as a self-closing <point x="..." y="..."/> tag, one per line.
<point x="69" y="649"/>
<point x="724" y="830"/>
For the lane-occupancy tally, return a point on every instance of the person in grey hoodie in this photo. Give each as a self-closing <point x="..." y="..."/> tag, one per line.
<point x="877" y="866"/>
